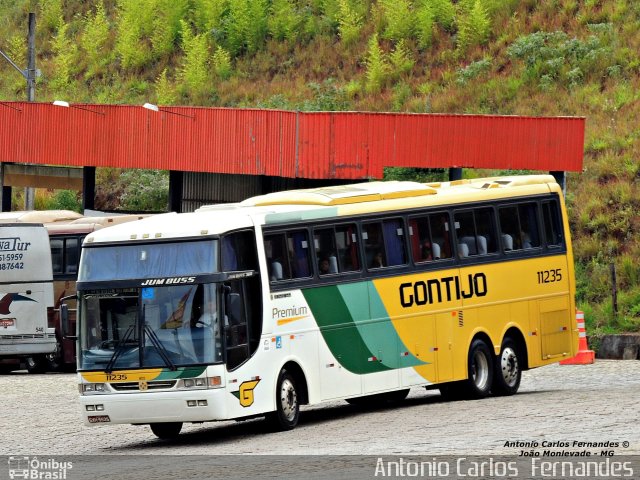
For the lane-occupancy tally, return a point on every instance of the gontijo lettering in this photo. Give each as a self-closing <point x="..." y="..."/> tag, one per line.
<point x="437" y="290"/>
<point x="13" y="244"/>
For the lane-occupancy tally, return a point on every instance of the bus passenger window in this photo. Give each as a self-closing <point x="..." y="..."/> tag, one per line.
<point x="373" y="245"/>
<point x="552" y="224"/>
<point x="529" y="225"/>
<point x="394" y="242"/>
<point x="287" y="255"/>
<point x="57" y="255"/>
<point x="519" y="227"/>
<point x="476" y="232"/>
<point x="441" y="242"/>
<point x="71" y="257"/>
<point x="347" y="248"/>
<point x="277" y="257"/>
<point x="325" y="248"/>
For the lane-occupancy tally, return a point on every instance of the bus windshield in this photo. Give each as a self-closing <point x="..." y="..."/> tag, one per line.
<point x="124" y="262"/>
<point x="155" y="327"/>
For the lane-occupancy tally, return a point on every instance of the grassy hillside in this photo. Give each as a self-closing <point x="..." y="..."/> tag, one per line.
<point x="557" y="57"/>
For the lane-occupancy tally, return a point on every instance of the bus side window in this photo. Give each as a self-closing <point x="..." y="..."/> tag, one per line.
<point x="288" y="255"/>
<point x="394" y="242"/>
<point x="57" y="254"/>
<point x="277" y="257"/>
<point x="440" y="232"/>
<point x="552" y="224"/>
<point x="71" y="248"/>
<point x="486" y="231"/>
<point x="373" y="245"/>
<point x="519" y="226"/>
<point x="239" y="251"/>
<point x="299" y="254"/>
<point x="347" y="248"/>
<point x="325" y="248"/>
<point x="529" y="225"/>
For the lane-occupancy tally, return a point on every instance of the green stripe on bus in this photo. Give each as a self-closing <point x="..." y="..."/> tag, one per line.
<point x="339" y="329"/>
<point x="385" y="336"/>
<point x="187" y="372"/>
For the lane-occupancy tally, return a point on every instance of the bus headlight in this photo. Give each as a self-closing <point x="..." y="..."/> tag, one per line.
<point x="91" y="388"/>
<point x="200" y="383"/>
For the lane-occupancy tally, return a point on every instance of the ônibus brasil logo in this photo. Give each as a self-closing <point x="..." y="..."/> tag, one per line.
<point x="34" y="468"/>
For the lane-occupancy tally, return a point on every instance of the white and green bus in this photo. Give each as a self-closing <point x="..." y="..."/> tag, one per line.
<point x="356" y="292"/>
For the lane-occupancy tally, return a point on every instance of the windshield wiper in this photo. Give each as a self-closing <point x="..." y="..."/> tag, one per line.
<point x="118" y="349"/>
<point x="158" y="344"/>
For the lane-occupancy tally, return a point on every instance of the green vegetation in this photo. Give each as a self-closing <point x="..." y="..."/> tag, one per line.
<point x="558" y="57"/>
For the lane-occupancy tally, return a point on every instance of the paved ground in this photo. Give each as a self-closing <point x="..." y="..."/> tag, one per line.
<point x="592" y="403"/>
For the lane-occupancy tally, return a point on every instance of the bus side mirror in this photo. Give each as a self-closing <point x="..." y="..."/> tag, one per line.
<point x="64" y="318"/>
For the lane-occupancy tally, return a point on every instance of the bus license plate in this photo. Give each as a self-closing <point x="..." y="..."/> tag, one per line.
<point x="7" y="322"/>
<point x="99" y="418"/>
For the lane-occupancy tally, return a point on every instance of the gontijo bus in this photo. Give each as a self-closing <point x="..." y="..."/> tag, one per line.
<point x="355" y="292"/>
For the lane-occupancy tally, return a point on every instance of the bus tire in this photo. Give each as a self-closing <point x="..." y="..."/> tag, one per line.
<point x="480" y="371"/>
<point x="166" y="431"/>
<point x="37" y="364"/>
<point x="287" y="403"/>
<point x="508" y="369"/>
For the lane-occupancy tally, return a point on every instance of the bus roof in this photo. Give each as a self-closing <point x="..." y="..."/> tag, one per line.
<point x="318" y="203"/>
<point x="39" y="216"/>
<point x="380" y="191"/>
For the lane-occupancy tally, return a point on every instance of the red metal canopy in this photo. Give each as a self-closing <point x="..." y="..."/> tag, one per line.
<point x="341" y="145"/>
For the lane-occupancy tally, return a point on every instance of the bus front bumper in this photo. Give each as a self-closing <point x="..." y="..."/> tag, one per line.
<point x="154" y="407"/>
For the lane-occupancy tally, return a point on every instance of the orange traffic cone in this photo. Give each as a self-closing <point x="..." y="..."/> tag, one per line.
<point x="584" y="356"/>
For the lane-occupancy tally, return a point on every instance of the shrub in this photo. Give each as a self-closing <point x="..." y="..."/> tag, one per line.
<point x="443" y="12"/>
<point x="165" y="91"/>
<point x="473" y="70"/>
<point x="17" y="52"/>
<point x="377" y="66"/>
<point x="166" y="26"/>
<point x="425" y="21"/>
<point x="245" y="26"/>
<point x="284" y="21"/>
<point x="222" y="63"/>
<point x="64" y="61"/>
<point x="144" y="190"/>
<point x="194" y="70"/>
<point x="94" y="40"/>
<point x="399" y="19"/>
<point x="401" y="59"/>
<point x="349" y="21"/>
<point x="473" y="28"/>
<point x="50" y="16"/>
<point x="135" y="24"/>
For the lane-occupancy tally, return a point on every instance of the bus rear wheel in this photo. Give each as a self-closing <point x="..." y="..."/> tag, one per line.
<point x="287" y="403"/>
<point x="166" y="431"/>
<point x="508" y="369"/>
<point x="480" y="371"/>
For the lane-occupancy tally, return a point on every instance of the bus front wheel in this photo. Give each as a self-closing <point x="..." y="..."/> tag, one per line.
<point x="287" y="403"/>
<point x="166" y="431"/>
<point x="508" y="369"/>
<point x="480" y="371"/>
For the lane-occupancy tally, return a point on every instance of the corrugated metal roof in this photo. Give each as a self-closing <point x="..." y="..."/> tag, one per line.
<point x="340" y="145"/>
